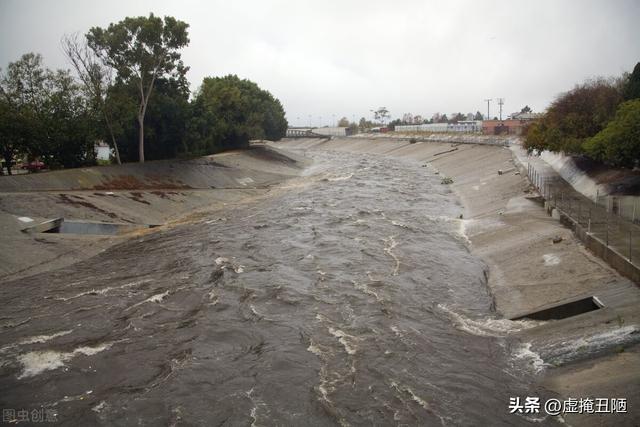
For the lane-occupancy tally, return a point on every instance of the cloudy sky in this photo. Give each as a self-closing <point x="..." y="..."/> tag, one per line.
<point x="329" y="58"/>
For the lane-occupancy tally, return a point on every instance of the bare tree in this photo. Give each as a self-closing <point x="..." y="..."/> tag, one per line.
<point x="95" y="76"/>
<point x="381" y="114"/>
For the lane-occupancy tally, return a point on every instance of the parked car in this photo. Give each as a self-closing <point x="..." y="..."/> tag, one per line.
<point x="36" y="165"/>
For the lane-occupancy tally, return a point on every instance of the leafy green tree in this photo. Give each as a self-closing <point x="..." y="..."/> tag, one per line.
<point x="343" y="122"/>
<point x="16" y="127"/>
<point x="142" y="50"/>
<point x="227" y="112"/>
<point x="24" y="97"/>
<point x="478" y="116"/>
<point x="45" y="114"/>
<point x="632" y="87"/>
<point x="526" y="109"/>
<point x="618" y="144"/>
<point x="70" y="123"/>
<point x="574" y="117"/>
<point x="165" y="120"/>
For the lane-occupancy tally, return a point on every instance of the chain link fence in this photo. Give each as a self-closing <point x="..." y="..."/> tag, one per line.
<point x="611" y="219"/>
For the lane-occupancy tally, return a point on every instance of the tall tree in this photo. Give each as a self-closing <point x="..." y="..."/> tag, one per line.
<point x="96" y="78"/>
<point x="228" y="112"/>
<point x="71" y="121"/>
<point x="618" y="144"/>
<point x="632" y="88"/>
<point x="526" y="109"/>
<point x="45" y="114"/>
<point x="12" y="134"/>
<point x="574" y="117"/>
<point x="23" y="88"/>
<point x="142" y="50"/>
<point x="381" y="114"/>
<point x="343" y="122"/>
<point x="478" y="116"/>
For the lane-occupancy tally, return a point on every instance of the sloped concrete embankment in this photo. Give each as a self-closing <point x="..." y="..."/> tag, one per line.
<point x="534" y="262"/>
<point x="156" y="193"/>
<point x="254" y="167"/>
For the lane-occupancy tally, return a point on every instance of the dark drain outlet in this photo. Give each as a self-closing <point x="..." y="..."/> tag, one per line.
<point x="62" y="226"/>
<point x="562" y="311"/>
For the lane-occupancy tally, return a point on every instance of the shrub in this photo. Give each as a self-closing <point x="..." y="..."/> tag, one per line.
<point x="618" y="144"/>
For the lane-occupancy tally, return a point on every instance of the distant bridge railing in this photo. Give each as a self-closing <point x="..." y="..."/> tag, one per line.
<point x="303" y="133"/>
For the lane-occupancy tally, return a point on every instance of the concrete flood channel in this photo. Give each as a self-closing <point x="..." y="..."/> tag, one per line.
<point x="347" y="297"/>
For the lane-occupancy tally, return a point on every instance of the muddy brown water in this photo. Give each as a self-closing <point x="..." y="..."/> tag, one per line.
<point x="348" y="296"/>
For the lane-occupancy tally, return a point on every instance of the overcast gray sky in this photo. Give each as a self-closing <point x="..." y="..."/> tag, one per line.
<point x="345" y="58"/>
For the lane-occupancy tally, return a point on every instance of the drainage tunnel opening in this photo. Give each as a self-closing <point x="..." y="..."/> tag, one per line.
<point x="564" y="311"/>
<point x="62" y="226"/>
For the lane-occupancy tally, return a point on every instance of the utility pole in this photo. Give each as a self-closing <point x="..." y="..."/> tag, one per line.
<point x="488" y="115"/>
<point x="500" y="103"/>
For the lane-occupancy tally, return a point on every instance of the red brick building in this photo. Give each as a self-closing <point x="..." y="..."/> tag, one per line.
<point x="503" y="127"/>
<point x="510" y="126"/>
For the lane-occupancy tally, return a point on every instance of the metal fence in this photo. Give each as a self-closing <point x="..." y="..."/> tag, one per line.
<point x="611" y="219"/>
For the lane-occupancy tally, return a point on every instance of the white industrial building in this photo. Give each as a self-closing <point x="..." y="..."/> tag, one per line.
<point x="331" y="131"/>
<point x="468" y="126"/>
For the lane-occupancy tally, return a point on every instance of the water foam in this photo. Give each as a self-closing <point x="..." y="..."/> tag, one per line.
<point x="584" y="345"/>
<point x="341" y="177"/>
<point x="342" y="338"/>
<point x="525" y="352"/>
<point x="488" y="327"/>
<point x="40" y="339"/>
<point x="390" y="245"/>
<point x="37" y="362"/>
<point x="103" y="291"/>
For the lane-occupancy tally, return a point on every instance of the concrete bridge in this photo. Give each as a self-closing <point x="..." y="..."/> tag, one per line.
<point x="303" y="133"/>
